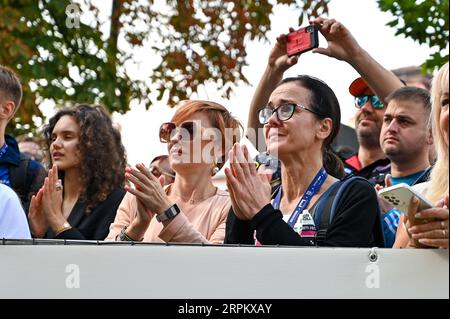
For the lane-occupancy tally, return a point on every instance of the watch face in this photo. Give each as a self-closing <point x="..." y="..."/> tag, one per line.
<point x="170" y="213"/>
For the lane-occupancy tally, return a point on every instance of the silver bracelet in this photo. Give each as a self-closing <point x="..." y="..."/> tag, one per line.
<point x="123" y="236"/>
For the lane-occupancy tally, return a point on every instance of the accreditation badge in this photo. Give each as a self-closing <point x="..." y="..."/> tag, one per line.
<point x="306" y="226"/>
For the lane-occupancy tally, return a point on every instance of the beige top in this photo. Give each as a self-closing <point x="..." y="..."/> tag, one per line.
<point x="203" y="223"/>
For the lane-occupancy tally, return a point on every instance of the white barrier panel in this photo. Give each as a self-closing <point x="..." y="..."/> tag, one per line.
<point x="180" y="272"/>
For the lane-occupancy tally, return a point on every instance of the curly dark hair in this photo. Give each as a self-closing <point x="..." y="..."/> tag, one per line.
<point x="103" y="158"/>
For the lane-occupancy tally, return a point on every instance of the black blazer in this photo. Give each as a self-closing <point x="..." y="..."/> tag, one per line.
<point x="92" y="226"/>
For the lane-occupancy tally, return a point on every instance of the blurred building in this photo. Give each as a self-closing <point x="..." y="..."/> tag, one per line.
<point x="413" y="76"/>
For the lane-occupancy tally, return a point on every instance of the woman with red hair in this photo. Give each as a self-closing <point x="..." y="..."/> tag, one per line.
<point x="191" y="209"/>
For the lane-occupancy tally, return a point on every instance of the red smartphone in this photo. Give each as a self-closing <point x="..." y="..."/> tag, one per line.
<point x="302" y="40"/>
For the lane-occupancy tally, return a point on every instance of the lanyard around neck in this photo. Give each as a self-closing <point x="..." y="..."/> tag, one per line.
<point x="313" y="188"/>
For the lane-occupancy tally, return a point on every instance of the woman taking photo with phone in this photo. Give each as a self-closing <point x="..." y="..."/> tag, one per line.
<point x="192" y="209"/>
<point x="83" y="189"/>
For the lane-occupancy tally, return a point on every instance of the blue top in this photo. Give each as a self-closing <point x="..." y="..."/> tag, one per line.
<point x="13" y="222"/>
<point x="11" y="173"/>
<point x="4" y="171"/>
<point x="410" y="179"/>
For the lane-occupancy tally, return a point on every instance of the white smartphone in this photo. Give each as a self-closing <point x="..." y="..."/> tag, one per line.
<point x="400" y="197"/>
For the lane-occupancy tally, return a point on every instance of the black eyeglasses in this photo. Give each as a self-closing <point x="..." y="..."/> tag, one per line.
<point x="284" y="112"/>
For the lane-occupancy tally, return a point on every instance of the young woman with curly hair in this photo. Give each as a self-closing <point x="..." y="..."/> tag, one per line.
<point x="83" y="189"/>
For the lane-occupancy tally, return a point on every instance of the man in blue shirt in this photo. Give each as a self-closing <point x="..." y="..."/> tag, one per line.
<point x="406" y="140"/>
<point x="18" y="171"/>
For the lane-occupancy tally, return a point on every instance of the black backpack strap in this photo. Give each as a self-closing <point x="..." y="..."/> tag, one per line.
<point x="328" y="206"/>
<point x="18" y="176"/>
<point x="321" y="214"/>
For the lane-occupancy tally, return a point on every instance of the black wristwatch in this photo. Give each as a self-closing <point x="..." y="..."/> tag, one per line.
<point x="169" y="213"/>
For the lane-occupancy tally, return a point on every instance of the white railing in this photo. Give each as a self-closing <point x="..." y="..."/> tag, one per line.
<point x="206" y="272"/>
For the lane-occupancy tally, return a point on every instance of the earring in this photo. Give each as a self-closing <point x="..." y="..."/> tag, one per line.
<point x="215" y="169"/>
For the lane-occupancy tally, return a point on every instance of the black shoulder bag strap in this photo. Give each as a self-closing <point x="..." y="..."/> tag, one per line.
<point x="325" y="211"/>
<point x="19" y="176"/>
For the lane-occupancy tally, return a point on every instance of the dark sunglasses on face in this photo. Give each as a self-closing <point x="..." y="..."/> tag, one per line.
<point x="361" y="100"/>
<point x="284" y="112"/>
<point x="168" y="130"/>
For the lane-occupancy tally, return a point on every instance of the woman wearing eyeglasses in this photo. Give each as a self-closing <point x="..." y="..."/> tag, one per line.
<point x="312" y="206"/>
<point x="192" y="209"/>
<point x="300" y="122"/>
<point x="341" y="45"/>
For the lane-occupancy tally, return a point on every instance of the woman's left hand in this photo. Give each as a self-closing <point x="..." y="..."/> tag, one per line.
<point x="147" y="189"/>
<point x="52" y="199"/>
<point x="435" y="232"/>
<point x="249" y="190"/>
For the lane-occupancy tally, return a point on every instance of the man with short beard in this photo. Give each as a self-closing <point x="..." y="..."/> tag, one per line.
<point x="406" y="137"/>
<point x="406" y="140"/>
<point x="370" y="161"/>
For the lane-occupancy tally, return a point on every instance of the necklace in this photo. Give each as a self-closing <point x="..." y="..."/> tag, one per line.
<point x="191" y="199"/>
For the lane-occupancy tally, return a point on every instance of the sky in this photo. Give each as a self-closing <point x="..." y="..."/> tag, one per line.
<point x="367" y="23"/>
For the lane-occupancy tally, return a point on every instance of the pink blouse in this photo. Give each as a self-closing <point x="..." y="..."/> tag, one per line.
<point x="203" y="223"/>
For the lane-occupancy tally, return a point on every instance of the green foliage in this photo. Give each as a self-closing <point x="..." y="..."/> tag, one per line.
<point x="425" y="22"/>
<point x="59" y="62"/>
<point x="197" y="41"/>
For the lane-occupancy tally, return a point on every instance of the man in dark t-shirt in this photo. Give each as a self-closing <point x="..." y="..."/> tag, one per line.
<point x="369" y="162"/>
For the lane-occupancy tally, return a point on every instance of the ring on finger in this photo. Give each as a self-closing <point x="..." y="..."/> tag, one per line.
<point x="58" y="186"/>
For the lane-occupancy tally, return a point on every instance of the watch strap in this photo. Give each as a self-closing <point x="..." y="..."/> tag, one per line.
<point x="65" y="226"/>
<point x="123" y="236"/>
<point x="169" y="213"/>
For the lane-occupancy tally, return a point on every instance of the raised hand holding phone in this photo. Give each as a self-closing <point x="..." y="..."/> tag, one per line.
<point x="302" y="40"/>
<point x="279" y="61"/>
<point x="341" y="43"/>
